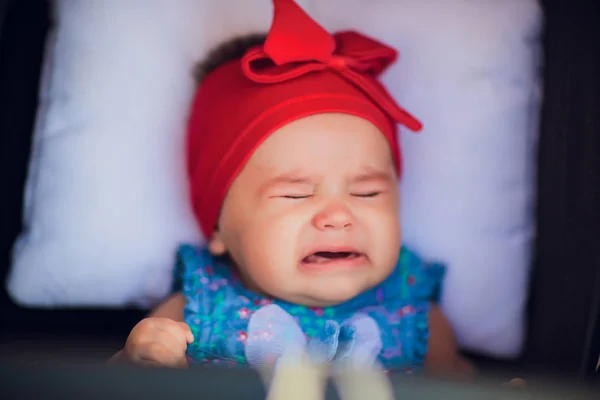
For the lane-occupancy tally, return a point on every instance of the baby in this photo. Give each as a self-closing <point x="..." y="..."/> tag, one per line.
<point x="293" y="162"/>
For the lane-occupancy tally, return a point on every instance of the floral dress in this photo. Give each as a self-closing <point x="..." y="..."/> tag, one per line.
<point x="233" y="326"/>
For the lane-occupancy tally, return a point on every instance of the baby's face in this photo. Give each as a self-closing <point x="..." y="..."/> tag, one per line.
<point x="313" y="217"/>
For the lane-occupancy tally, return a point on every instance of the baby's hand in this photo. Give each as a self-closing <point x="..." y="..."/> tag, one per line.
<point x="159" y="342"/>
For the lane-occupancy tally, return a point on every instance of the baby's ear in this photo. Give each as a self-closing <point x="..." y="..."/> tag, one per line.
<point x="216" y="246"/>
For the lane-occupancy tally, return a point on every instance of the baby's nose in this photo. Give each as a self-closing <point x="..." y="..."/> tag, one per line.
<point x="335" y="216"/>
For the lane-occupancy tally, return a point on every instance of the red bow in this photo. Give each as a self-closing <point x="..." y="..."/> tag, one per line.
<point x="296" y="45"/>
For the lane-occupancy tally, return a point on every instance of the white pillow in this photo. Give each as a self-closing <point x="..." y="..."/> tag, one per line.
<point x="106" y="198"/>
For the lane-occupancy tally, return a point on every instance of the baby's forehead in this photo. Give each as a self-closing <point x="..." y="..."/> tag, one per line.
<point x="331" y="133"/>
<point x="322" y="145"/>
<point x="329" y="121"/>
<point x="306" y="175"/>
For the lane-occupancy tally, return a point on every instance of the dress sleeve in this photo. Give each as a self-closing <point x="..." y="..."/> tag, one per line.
<point x="191" y="279"/>
<point x="189" y="270"/>
<point x="180" y="271"/>
<point x="420" y="285"/>
<point x="421" y="280"/>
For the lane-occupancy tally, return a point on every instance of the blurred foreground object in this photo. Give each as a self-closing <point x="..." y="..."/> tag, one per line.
<point x="306" y="380"/>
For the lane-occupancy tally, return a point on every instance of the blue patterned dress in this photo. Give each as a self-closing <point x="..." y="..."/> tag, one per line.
<point x="228" y="320"/>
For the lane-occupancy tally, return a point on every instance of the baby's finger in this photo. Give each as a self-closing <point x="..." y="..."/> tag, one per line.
<point x="177" y="330"/>
<point x="159" y="354"/>
<point x="173" y="342"/>
<point x="176" y="361"/>
<point x="188" y="332"/>
<point x="182" y="363"/>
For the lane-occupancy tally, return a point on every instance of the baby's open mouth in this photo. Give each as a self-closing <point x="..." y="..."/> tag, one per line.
<point x="321" y="257"/>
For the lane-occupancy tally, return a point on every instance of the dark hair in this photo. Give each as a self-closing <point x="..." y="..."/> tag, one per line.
<point x="225" y="52"/>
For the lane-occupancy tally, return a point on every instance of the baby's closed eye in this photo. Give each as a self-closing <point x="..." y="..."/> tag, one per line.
<point x="367" y="194"/>
<point x="296" y="196"/>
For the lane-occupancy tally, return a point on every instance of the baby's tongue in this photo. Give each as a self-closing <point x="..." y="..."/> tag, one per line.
<point x="323" y="257"/>
<point x="316" y="259"/>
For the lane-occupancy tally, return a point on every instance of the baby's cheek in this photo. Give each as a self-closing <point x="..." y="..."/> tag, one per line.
<point x="268" y="248"/>
<point x="386" y="238"/>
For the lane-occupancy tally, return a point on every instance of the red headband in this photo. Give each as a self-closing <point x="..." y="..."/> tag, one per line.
<point x="301" y="70"/>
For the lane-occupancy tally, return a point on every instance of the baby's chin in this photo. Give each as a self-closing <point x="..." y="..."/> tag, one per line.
<point x="330" y="296"/>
